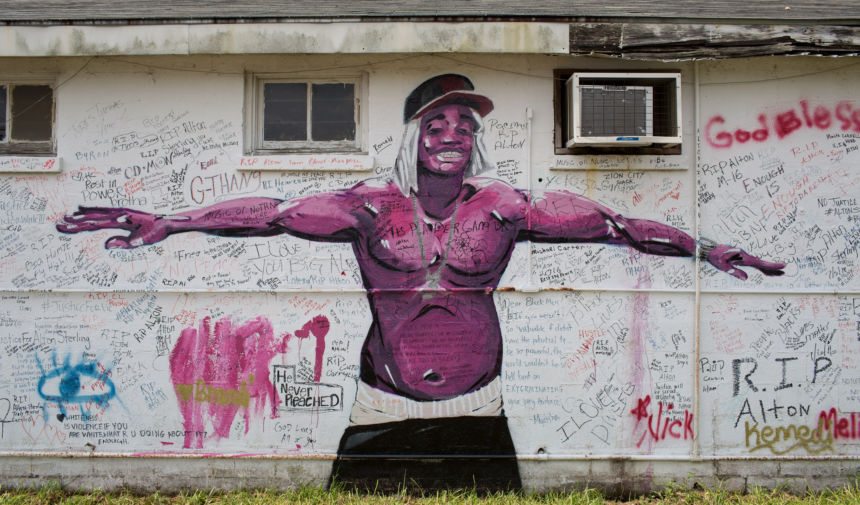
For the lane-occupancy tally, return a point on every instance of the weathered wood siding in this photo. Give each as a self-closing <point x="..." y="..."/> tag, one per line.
<point x="664" y="41"/>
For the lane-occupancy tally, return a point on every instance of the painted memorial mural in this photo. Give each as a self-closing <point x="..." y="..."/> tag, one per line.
<point x="441" y="307"/>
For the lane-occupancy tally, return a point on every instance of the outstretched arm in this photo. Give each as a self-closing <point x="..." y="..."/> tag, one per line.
<point x="561" y="216"/>
<point x="324" y="217"/>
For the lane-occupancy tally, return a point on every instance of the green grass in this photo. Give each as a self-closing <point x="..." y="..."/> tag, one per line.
<point x="54" y="494"/>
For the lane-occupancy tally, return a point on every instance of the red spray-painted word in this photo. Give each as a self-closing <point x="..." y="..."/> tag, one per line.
<point x="660" y="427"/>
<point x="843" y="115"/>
<point x="218" y="371"/>
<point x="845" y="426"/>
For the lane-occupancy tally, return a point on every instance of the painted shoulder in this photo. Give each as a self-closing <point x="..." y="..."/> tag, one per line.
<point x="375" y="187"/>
<point x="496" y="186"/>
<point x="514" y="201"/>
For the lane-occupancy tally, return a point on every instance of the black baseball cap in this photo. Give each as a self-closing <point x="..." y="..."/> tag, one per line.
<point x="445" y="89"/>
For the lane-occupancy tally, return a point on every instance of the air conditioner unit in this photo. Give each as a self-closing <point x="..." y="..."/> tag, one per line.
<point x="623" y="109"/>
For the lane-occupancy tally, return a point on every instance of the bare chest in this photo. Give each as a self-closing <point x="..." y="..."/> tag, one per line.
<point x="475" y="239"/>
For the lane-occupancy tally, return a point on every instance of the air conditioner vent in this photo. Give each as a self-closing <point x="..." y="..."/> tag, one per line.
<point x="634" y="109"/>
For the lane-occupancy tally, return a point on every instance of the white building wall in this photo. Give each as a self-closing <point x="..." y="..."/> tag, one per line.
<point x="599" y="340"/>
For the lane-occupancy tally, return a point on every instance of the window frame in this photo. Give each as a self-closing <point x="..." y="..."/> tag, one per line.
<point x="10" y="146"/>
<point x="561" y="107"/>
<point x="254" y="115"/>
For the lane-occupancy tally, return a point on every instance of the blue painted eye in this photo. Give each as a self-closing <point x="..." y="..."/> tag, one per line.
<point x="70" y="388"/>
<point x="70" y="385"/>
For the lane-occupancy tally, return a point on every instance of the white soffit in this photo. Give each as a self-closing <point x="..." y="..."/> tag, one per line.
<point x="285" y="38"/>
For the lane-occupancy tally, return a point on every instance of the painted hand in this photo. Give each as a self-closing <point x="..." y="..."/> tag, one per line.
<point x="728" y="258"/>
<point x="144" y="228"/>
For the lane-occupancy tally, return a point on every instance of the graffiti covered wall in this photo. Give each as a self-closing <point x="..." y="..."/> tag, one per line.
<point x="161" y="296"/>
<point x="777" y="359"/>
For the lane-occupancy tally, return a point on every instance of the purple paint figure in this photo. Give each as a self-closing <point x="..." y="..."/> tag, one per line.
<point x="431" y="245"/>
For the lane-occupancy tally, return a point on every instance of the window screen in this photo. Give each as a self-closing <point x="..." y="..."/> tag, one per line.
<point x="285" y="112"/>
<point x="32" y="112"/>
<point x="333" y="112"/>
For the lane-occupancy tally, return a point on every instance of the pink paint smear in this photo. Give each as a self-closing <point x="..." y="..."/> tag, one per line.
<point x="218" y="371"/>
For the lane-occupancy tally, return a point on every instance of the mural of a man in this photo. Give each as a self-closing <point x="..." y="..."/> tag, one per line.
<point x="431" y="244"/>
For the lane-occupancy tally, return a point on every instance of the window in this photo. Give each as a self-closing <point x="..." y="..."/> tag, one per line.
<point x="306" y="115"/>
<point x="26" y="118"/>
<point x="617" y="112"/>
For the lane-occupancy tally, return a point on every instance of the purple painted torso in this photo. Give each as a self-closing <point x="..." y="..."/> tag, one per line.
<point x="435" y="333"/>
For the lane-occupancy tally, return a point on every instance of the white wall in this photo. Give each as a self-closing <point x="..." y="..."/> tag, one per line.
<point x="579" y="362"/>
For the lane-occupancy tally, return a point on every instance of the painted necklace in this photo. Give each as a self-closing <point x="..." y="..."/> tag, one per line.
<point x="433" y="278"/>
